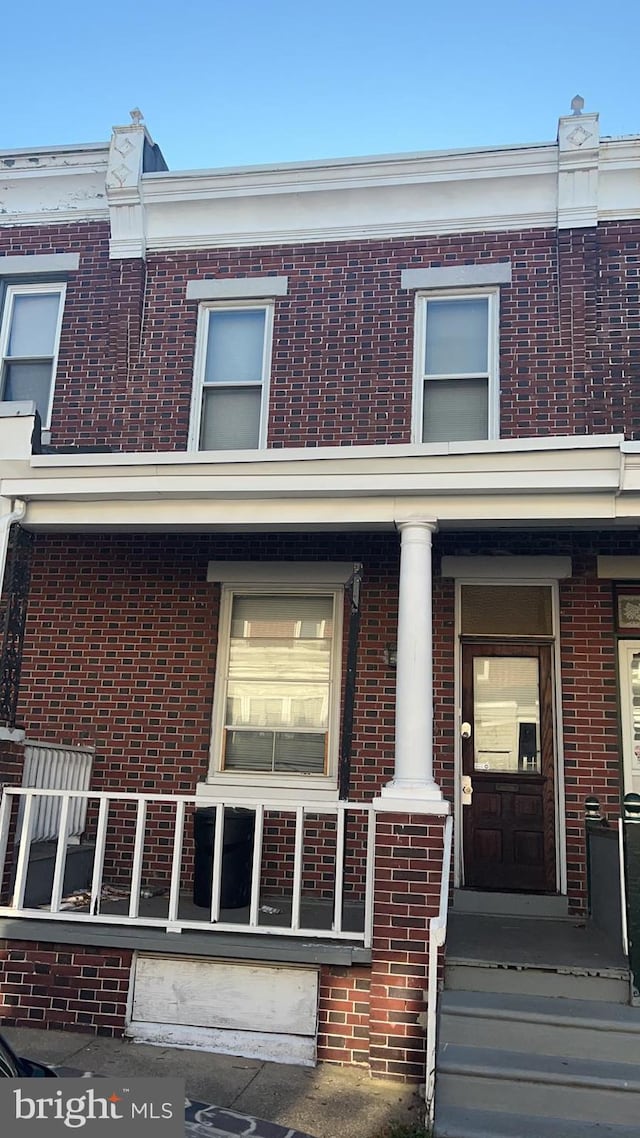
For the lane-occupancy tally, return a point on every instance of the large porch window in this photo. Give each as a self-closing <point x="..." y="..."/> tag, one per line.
<point x="275" y="706"/>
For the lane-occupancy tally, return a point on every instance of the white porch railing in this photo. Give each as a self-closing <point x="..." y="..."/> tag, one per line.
<point x="437" y="938"/>
<point x="130" y="831"/>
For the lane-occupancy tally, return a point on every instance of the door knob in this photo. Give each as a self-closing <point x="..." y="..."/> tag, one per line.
<point x="465" y="730"/>
<point x="467" y="790"/>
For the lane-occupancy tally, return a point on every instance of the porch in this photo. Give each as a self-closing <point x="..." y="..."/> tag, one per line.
<point x="292" y="869"/>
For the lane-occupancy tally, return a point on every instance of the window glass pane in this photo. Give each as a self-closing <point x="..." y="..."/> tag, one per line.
<point x="231" y="418"/>
<point x="267" y="752"/>
<point x="33" y="325"/>
<point x="455" y="410"/>
<point x="299" y="753"/>
<point x="29" y="381"/>
<point x="249" y="751"/>
<point x="278" y="690"/>
<point x="506" y="714"/>
<point x="272" y="704"/>
<point x="457" y="332"/>
<point x="282" y="614"/>
<point x="506" y="610"/>
<point x="235" y="346"/>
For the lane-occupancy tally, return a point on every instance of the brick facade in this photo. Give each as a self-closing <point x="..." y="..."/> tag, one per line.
<point x="122" y="627"/>
<point x="64" y="987"/>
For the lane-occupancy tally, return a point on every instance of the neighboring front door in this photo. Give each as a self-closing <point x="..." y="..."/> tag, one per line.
<point x="508" y="753"/>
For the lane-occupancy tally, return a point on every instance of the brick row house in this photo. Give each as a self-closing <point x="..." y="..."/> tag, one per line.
<point x="319" y="502"/>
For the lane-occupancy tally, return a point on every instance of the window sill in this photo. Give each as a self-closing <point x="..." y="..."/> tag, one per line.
<point x="282" y="791"/>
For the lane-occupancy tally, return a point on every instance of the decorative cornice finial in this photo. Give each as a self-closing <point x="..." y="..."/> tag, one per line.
<point x="577" y="103"/>
<point x="137" y="115"/>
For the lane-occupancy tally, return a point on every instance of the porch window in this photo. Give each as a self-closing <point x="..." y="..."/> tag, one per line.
<point x="456" y="354"/>
<point x="29" y="340"/>
<point x="276" y="679"/>
<point x="231" y="377"/>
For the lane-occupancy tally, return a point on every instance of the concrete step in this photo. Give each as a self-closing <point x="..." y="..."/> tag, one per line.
<point x="610" y="985"/>
<point x="547" y="1086"/>
<point x="511" y="904"/>
<point x="458" y="1122"/>
<point x="582" y="1029"/>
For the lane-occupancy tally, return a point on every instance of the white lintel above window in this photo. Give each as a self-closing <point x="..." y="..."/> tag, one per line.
<point x="457" y="276"/>
<point x="39" y="264"/>
<point x="507" y="568"/>
<point x="238" y="288"/>
<point x="279" y="572"/>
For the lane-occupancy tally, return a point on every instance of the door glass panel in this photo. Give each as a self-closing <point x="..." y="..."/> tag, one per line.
<point x="506" y="711"/>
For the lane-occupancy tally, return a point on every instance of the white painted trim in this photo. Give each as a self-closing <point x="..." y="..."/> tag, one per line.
<point x="630" y="762"/>
<point x="457" y="276"/>
<point x="38" y="289"/>
<point x="40" y="263"/>
<point x="501" y="569"/>
<point x="269" y="784"/>
<point x="299" y="1050"/>
<point x="390" y="805"/>
<point x="237" y="288"/>
<point x="619" y="568"/>
<point x="493" y="357"/>
<point x="558" y="728"/>
<point x="280" y="572"/>
<point x="12" y="734"/>
<point x="480" y="450"/>
<point x="199" y="386"/>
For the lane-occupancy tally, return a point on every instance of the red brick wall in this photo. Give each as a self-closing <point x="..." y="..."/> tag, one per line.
<point x="343" y="337"/>
<point x="343" y="1015"/>
<point x="65" y="987"/>
<point x="407" y="893"/>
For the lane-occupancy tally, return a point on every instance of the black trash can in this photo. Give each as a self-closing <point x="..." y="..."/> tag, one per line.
<point x="237" y="856"/>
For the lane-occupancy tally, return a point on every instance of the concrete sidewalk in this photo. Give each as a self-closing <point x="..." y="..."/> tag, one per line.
<point x="323" y="1101"/>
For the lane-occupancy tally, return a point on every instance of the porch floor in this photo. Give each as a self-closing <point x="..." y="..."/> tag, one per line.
<point x="570" y="944"/>
<point x="275" y="912"/>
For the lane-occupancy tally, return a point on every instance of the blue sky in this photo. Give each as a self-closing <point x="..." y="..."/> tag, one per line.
<point x="223" y="83"/>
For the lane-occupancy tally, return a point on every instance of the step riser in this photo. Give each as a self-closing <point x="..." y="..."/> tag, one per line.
<point x="536" y="982"/>
<point x="457" y="1122"/>
<point x="540" y="1099"/>
<point x="533" y="1038"/>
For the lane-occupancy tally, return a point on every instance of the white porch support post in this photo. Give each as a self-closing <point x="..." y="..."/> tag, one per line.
<point x="413" y="780"/>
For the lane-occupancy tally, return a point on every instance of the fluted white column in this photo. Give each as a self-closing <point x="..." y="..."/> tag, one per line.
<point x="413" y="778"/>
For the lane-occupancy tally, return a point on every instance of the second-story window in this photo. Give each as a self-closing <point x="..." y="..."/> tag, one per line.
<point x="29" y="340"/>
<point x="456" y="368"/>
<point x="231" y="381"/>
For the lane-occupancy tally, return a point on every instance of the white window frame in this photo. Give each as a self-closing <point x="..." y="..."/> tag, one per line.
<point x="197" y="396"/>
<point x="627" y="649"/>
<point x="261" y="785"/>
<point x="493" y="356"/>
<point x="35" y="289"/>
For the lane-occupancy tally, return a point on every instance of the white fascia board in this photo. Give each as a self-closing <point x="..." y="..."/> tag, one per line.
<point x="321" y="514"/>
<point x="348" y="455"/>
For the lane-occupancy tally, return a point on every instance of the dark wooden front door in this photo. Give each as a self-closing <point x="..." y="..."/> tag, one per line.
<point x="509" y="828"/>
